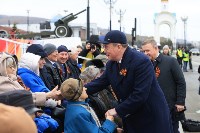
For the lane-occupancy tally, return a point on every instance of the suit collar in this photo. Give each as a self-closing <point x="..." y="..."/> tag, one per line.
<point x="125" y="58"/>
<point x="159" y="58"/>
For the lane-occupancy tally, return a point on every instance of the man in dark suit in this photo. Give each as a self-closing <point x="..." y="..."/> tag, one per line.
<point x="171" y="80"/>
<point x="51" y="66"/>
<point x="142" y="104"/>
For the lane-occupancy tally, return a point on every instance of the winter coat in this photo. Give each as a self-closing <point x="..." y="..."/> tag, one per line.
<point x="29" y="72"/>
<point x="79" y="120"/>
<point x="9" y="83"/>
<point x="142" y="104"/>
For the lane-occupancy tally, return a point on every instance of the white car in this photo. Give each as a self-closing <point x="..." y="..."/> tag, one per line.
<point x="195" y="51"/>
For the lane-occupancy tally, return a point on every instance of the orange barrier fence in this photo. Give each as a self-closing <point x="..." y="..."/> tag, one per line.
<point x="15" y="46"/>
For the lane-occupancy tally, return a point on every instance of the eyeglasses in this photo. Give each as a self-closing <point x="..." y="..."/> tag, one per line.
<point x="12" y="66"/>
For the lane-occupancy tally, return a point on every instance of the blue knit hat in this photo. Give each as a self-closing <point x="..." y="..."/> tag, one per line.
<point x="37" y="49"/>
<point x="63" y="48"/>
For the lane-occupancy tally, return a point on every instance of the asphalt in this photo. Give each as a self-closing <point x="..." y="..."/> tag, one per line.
<point x="192" y="96"/>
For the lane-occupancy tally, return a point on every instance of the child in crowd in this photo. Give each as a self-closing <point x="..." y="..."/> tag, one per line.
<point x="79" y="116"/>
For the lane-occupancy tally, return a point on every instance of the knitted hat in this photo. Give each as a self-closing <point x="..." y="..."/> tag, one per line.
<point x="63" y="48"/>
<point x="166" y="47"/>
<point x="99" y="61"/>
<point x="15" y="120"/>
<point x="71" y="89"/>
<point x="37" y="49"/>
<point x="49" y="48"/>
<point x="95" y="62"/>
<point x="89" y="73"/>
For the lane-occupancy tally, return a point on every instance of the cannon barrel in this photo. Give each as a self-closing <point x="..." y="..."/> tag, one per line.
<point x="80" y="12"/>
<point x="66" y="19"/>
<point x="62" y="29"/>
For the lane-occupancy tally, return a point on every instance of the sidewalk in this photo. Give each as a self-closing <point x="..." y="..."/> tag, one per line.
<point x="180" y="128"/>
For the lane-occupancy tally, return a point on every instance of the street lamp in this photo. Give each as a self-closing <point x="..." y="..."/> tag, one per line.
<point x="111" y="2"/>
<point x="120" y="13"/>
<point x="184" y="19"/>
<point x="88" y="21"/>
<point x="28" y="21"/>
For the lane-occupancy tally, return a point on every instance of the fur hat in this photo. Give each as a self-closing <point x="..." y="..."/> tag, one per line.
<point x="99" y="61"/>
<point x="89" y="74"/>
<point x="15" y="120"/>
<point x="71" y="89"/>
<point x="49" y="48"/>
<point x="37" y="49"/>
<point x="19" y="98"/>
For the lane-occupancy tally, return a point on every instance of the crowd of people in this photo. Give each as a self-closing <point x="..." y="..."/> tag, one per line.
<point x="184" y="57"/>
<point x="104" y="87"/>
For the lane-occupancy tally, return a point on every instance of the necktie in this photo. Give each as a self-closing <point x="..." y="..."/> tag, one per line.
<point x="154" y="63"/>
<point x="54" y="65"/>
<point x="63" y="70"/>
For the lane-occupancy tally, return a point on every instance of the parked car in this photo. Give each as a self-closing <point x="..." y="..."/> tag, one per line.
<point x="195" y="51"/>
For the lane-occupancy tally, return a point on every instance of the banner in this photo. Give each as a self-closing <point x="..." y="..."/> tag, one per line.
<point x="14" y="46"/>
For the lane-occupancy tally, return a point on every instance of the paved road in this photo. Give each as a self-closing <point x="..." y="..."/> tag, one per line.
<point x="192" y="96"/>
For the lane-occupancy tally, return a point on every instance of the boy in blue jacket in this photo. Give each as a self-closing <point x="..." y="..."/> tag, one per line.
<point x="79" y="116"/>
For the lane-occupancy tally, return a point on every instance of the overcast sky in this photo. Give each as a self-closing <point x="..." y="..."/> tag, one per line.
<point x="143" y="10"/>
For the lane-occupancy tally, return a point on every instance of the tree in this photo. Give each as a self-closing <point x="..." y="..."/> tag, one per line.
<point x="166" y="42"/>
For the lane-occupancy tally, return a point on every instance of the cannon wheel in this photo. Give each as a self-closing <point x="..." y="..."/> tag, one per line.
<point x="62" y="31"/>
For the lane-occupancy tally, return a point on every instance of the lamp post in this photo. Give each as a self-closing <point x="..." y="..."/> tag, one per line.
<point x="28" y="21"/>
<point x="184" y="19"/>
<point x="111" y="2"/>
<point x="120" y="13"/>
<point x="88" y="21"/>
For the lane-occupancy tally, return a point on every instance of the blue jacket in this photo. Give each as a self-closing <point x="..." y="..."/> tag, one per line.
<point x="79" y="120"/>
<point x="32" y="80"/>
<point x="45" y="121"/>
<point x="142" y="107"/>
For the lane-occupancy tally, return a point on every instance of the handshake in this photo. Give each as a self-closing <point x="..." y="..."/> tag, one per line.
<point x="110" y="114"/>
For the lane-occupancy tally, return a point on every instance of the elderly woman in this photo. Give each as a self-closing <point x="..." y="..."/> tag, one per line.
<point x="8" y="80"/>
<point x="166" y="50"/>
<point x="29" y="67"/>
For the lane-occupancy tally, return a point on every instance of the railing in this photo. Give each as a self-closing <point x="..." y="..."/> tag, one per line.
<point x="15" y="43"/>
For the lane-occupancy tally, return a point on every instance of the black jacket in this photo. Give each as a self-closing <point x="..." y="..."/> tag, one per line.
<point x="45" y="77"/>
<point x="171" y="80"/>
<point x="74" y="70"/>
<point x="53" y="74"/>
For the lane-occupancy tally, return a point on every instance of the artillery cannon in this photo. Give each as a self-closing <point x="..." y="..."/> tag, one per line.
<point x="62" y="29"/>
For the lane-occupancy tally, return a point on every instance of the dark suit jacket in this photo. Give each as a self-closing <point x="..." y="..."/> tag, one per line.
<point x="74" y="70"/>
<point x="53" y="74"/>
<point x="45" y="77"/>
<point x="171" y="80"/>
<point x="142" y="107"/>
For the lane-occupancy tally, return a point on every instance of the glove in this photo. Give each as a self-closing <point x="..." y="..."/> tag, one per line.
<point x="50" y="103"/>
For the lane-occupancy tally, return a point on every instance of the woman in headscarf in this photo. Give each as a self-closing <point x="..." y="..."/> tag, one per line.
<point x="8" y="80"/>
